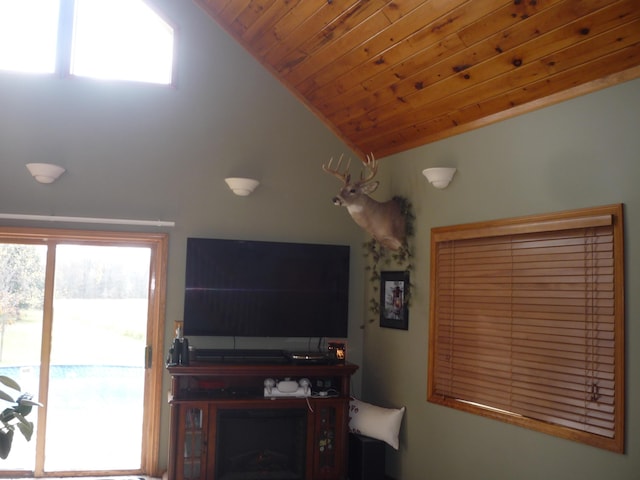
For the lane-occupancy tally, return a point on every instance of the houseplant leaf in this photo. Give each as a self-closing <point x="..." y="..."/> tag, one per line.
<point x="6" y="437"/>
<point x="14" y="415"/>
<point x="9" y="382"/>
<point x="25" y="427"/>
<point x="5" y="396"/>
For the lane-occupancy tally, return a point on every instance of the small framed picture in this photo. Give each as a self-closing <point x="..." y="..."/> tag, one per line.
<point x="394" y="291"/>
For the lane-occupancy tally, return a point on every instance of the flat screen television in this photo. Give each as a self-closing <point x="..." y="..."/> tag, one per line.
<point x="266" y="289"/>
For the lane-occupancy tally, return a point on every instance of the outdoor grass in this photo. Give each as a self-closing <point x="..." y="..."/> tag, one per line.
<point x="94" y="331"/>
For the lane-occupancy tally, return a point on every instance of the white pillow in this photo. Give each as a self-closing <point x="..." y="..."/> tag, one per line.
<point x="375" y="422"/>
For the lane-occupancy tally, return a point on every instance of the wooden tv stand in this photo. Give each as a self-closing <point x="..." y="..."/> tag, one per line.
<point x="200" y="392"/>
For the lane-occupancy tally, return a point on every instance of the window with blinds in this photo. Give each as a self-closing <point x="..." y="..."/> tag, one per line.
<point x="527" y="322"/>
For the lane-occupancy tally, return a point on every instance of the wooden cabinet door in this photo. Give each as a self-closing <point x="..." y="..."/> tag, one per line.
<point x="329" y="439"/>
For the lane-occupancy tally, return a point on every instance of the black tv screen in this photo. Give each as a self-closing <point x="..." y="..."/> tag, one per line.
<point x="266" y="289"/>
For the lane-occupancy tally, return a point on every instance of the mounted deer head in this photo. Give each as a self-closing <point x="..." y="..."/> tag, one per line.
<point x="385" y="221"/>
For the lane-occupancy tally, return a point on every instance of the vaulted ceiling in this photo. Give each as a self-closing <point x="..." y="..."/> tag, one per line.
<point x="387" y="76"/>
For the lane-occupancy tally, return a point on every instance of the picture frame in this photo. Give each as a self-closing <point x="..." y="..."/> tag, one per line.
<point x="394" y="292"/>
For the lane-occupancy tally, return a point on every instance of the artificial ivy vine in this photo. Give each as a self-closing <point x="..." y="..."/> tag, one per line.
<point x="378" y="257"/>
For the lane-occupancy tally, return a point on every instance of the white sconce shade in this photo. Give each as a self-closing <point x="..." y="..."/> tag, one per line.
<point x="439" y="177"/>
<point x="45" y="172"/>
<point x="242" y="186"/>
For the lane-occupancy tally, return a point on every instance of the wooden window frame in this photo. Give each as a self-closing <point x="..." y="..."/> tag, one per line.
<point x="538" y="389"/>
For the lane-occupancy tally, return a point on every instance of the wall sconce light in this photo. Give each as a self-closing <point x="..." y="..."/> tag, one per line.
<point x="45" y="172"/>
<point x="242" y="186"/>
<point x="439" y="177"/>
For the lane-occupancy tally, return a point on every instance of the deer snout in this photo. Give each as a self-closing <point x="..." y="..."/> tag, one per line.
<point x="337" y="201"/>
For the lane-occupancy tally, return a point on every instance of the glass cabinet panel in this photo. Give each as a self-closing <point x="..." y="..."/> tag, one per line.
<point x="194" y="443"/>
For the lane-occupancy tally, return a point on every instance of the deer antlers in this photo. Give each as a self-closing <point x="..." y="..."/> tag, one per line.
<point x="336" y="172"/>
<point x="370" y="163"/>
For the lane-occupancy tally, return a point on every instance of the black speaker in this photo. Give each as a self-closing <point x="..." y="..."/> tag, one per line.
<point x="366" y="458"/>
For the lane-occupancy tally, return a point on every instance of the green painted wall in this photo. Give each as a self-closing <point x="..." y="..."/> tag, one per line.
<point x="581" y="153"/>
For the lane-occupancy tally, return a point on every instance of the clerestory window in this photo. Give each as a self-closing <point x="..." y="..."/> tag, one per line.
<point x="105" y="39"/>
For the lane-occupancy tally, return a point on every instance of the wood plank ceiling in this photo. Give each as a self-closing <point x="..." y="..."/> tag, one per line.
<point x="387" y="76"/>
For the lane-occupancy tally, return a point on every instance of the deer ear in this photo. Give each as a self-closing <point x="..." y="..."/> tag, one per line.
<point x="370" y="187"/>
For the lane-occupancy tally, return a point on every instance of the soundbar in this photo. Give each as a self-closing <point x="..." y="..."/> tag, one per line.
<point x="219" y="355"/>
<point x="259" y="356"/>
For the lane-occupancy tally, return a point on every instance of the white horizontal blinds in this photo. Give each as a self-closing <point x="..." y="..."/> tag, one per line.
<point x="525" y="324"/>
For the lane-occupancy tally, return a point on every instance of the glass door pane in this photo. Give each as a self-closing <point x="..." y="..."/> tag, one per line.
<point x="22" y="274"/>
<point x="96" y="381"/>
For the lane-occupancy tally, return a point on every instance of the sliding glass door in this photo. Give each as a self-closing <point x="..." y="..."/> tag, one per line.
<point x="78" y="322"/>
